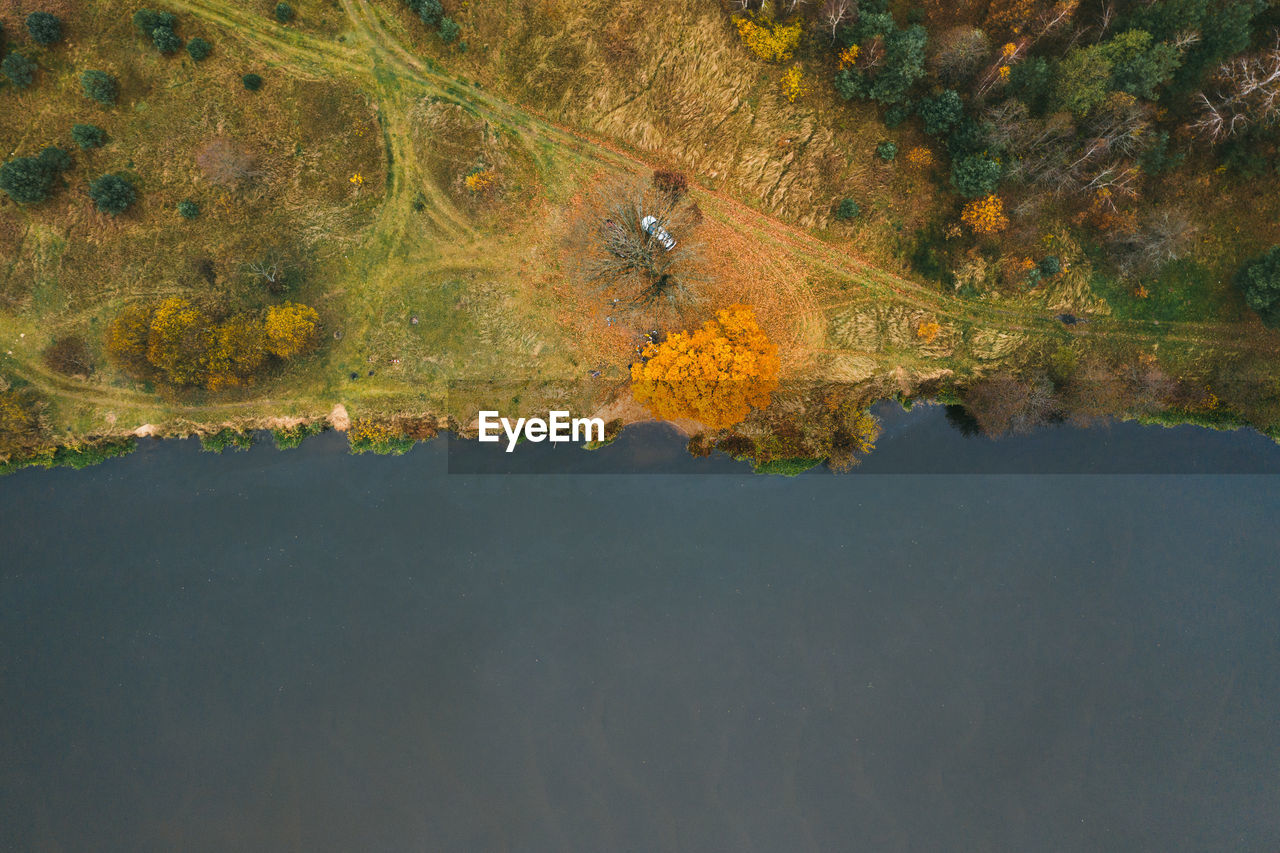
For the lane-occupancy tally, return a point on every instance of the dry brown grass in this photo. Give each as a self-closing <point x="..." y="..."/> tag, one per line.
<point x="689" y="97"/>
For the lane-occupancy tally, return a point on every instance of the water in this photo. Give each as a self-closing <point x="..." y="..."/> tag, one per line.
<point x="313" y="651"/>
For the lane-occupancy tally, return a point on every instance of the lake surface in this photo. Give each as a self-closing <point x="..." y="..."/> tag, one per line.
<point x="274" y="651"/>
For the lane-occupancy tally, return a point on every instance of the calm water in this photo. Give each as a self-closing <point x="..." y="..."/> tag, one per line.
<point x="312" y="651"/>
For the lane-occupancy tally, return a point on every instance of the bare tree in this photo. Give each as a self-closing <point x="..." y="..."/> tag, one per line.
<point x="639" y="244"/>
<point x="1164" y="236"/>
<point x="225" y="162"/>
<point x="836" y="12"/>
<point x="958" y="52"/>
<point x="1248" y="94"/>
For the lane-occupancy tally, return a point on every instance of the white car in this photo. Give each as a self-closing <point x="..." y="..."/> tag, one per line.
<point x="657" y="232"/>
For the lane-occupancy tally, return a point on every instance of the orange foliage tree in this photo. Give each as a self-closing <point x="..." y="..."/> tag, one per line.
<point x="714" y="374"/>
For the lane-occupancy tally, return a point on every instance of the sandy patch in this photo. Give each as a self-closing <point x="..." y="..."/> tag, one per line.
<point x="339" y="418"/>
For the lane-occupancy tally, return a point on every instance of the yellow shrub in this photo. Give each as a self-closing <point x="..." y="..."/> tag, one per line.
<point x="290" y="328"/>
<point x="770" y="42"/>
<point x="920" y="157"/>
<point x="793" y="83"/>
<point x="928" y="332"/>
<point x="985" y="215"/>
<point x="848" y="56"/>
<point x="479" y="181"/>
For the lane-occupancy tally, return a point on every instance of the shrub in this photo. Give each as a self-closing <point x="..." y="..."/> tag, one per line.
<point x="199" y="49"/>
<point x="226" y="439"/>
<point x="112" y="194"/>
<point x="290" y="438"/>
<point x="88" y="135"/>
<point x="252" y="82"/>
<point x="430" y="11"/>
<point x="1030" y="81"/>
<point x="767" y="41"/>
<point x="941" y="112"/>
<point x="896" y="115"/>
<point x="378" y="437"/>
<point x="127" y="339"/>
<point x="904" y="65"/>
<point x="44" y="27"/>
<point x="975" y="175"/>
<point x="55" y="159"/>
<point x="147" y="20"/>
<point x="847" y="210"/>
<point x="188" y="209"/>
<point x="985" y="215"/>
<point x="673" y="184"/>
<point x="449" y="30"/>
<point x="1259" y="281"/>
<point x="283" y="13"/>
<point x="1082" y="80"/>
<point x="18" y="69"/>
<point x="1050" y="266"/>
<point x="69" y="355"/>
<point x="920" y="157"/>
<point x="100" y="86"/>
<point x="26" y="180"/>
<point x="887" y="151"/>
<point x="290" y="328"/>
<point x="166" y="40"/>
<point x="793" y="83"/>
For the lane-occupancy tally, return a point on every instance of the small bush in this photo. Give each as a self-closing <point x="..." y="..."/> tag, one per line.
<point x="887" y="151"/>
<point x="1050" y="266"/>
<point x="283" y="13"/>
<point x="44" y="28"/>
<point x="941" y="113"/>
<point x="226" y="439"/>
<point x="55" y="159"/>
<point x="188" y="209"/>
<point x="69" y="355"/>
<point x="26" y="180"/>
<point x="430" y="11"/>
<point x="252" y="82"/>
<point x="112" y="194"/>
<point x="291" y="438"/>
<point x="166" y="40"/>
<point x="449" y="30"/>
<point x="199" y="49"/>
<point x="147" y="20"/>
<point x="847" y="210"/>
<point x="1259" y="281"/>
<point x="100" y="86"/>
<point x="18" y="69"/>
<point x="975" y="175"/>
<point x="381" y="437"/>
<point x="88" y="135"/>
<point x="673" y="184"/>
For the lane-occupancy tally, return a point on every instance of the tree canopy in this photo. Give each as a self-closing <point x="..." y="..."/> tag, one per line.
<point x="1260" y="283"/>
<point x="714" y="374"/>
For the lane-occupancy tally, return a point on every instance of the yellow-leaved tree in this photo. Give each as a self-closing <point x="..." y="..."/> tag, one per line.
<point x="715" y="374"/>
<point x="291" y="328"/>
